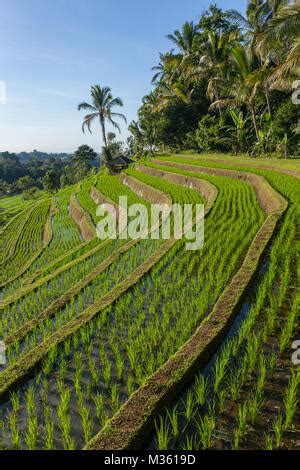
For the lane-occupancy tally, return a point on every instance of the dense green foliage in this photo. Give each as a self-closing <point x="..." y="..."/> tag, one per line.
<point x="226" y="85"/>
<point x="43" y="171"/>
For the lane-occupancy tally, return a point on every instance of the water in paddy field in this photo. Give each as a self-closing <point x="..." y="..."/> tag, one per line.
<point x="233" y="331"/>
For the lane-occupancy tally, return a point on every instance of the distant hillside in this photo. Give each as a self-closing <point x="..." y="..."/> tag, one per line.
<point x="26" y="156"/>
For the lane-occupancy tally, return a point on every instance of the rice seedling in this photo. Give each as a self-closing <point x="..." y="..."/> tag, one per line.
<point x="278" y="428"/>
<point x="107" y="372"/>
<point x="190" y="443"/>
<point x="173" y="418"/>
<point x="290" y="400"/>
<point x="271" y="362"/>
<point x="87" y="426"/>
<point x="236" y="439"/>
<point x="15" y="401"/>
<point x="220" y="371"/>
<point x="287" y="331"/>
<point x="254" y="405"/>
<point x="49" y="427"/>
<point x="114" y="398"/>
<point x="64" y="418"/>
<point x="261" y="375"/>
<point x="99" y="404"/>
<point x="205" y="427"/>
<point x="220" y="398"/>
<point x="242" y="419"/>
<point x="268" y="444"/>
<point x="189" y="405"/>
<point x="201" y="387"/>
<point x="162" y="433"/>
<point x="119" y="365"/>
<point x="14" y="430"/>
<point x="31" y="434"/>
<point x="251" y="351"/>
<point x="130" y="385"/>
<point x="235" y="383"/>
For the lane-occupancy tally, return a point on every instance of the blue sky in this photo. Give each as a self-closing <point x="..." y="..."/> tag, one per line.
<point x="52" y="51"/>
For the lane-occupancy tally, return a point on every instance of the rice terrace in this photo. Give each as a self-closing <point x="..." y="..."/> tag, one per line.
<point x="140" y="342"/>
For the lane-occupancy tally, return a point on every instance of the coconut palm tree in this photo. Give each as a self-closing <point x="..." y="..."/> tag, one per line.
<point x="259" y="14"/>
<point x="246" y="84"/>
<point x="185" y="39"/>
<point x="167" y="69"/>
<point x="284" y="23"/>
<point x="211" y="61"/>
<point x="283" y="28"/>
<point x="101" y="108"/>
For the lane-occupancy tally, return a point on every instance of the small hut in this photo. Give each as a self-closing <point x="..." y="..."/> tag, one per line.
<point x="117" y="164"/>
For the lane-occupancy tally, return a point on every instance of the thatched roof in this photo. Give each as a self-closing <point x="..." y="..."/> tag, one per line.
<point x="120" y="160"/>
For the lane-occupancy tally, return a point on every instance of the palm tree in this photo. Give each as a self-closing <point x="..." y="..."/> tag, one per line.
<point x="246" y="84"/>
<point x="103" y="103"/>
<point x="283" y="28"/>
<point x="259" y="14"/>
<point x="167" y="68"/>
<point x="185" y="39"/>
<point x="211" y="61"/>
<point x="284" y="24"/>
<point x="248" y="80"/>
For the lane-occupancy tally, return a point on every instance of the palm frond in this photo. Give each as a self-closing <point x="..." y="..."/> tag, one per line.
<point x="114" y="124"/>
<point x="88" y="121"/>
<point x="85" y="106"/>
<point x="237" y="18"/>
<point x="115" y="102"/>
<point x="119" y="115"/>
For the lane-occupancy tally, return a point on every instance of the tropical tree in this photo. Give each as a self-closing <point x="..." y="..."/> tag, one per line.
<point x="239" y="130"/>
<point x="101" y="108"/>
<point x="258" y="14"/>
<point x="144" y="135"/>
<point x="245" y="87"/>
<point x="210" y="61"/>
<point x="283" y="29"/>
<point x="185" y="39"/>
<point x="113" y="149"/>
<point x="84" y="154"/>
<point x="81" y="160"/>
<point x="167" y="69"/>
<point x="50" y="181"/>
<point x="247" y="64"/>
<point x="24" y="183"/>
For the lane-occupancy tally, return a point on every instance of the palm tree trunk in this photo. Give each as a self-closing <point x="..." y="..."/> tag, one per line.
<point x="217" y="98"/>
<point x="255" y="123"/>
<point x="268" y="100"/>
<point x="102" y="123"/>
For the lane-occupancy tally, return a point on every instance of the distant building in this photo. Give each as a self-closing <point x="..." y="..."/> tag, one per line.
<point x="117" y="164"/>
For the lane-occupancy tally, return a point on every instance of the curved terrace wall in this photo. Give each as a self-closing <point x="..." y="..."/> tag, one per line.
<point x="100" y="199"/>
<point x="82" y="219"/>
<point x="270" y="201"/>
<point x="153" y="195"/>
<point x="48" y="232"/>
<point x="209" y="191"/>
